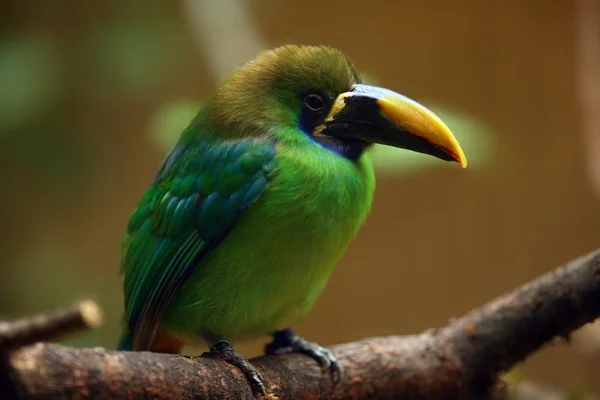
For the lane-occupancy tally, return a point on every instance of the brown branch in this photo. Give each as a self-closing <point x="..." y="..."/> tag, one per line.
<point x="44" y="327"/>
<point x="460" y="361"/>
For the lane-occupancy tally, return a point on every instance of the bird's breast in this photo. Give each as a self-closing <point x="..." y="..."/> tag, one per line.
<point x="318" y="190"/>
<point x="274" y="264"/>
<point x="315" y="205"/>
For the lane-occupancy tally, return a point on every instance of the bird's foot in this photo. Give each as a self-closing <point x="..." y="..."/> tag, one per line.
<point x="225" y="351"/>
<point x="286" y="341"/>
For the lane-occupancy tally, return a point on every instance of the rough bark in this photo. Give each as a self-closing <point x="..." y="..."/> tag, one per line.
<point x="459" y="361"/>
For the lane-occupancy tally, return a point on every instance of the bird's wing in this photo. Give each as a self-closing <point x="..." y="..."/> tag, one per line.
<point x="198" y="195"/>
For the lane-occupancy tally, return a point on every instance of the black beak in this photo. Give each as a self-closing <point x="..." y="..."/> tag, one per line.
<point x="375" y="115"/>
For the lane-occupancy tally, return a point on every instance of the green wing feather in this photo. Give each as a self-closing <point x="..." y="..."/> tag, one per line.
<point x="200" y="191"/>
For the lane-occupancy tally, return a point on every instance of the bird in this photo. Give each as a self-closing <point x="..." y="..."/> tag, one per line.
<point x="250" y="211"/>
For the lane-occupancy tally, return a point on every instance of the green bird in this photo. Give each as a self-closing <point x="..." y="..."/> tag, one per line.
<point x="248" y="214"/>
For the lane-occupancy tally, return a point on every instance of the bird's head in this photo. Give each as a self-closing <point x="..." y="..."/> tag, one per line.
<point x="314" y="93"/>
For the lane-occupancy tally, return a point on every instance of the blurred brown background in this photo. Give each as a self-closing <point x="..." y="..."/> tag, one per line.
<point x="92" y="94"/>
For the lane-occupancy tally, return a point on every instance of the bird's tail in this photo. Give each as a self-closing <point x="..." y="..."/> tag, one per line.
<point x="163" y="343"/>
<point x="126" y="341"/>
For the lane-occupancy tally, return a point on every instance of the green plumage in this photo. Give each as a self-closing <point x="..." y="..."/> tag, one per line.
<point x="248" y="215"/>
<point x="253" y="207"/>
<point x="203" y="188"/>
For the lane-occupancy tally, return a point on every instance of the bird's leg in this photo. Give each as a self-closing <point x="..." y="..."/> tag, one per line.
<point x="225" y="351"/>
<point x="286" y="341"/>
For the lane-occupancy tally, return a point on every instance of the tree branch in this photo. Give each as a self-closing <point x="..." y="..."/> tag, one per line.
<point x="43" y="327"/>
<point x="460" y="361"/>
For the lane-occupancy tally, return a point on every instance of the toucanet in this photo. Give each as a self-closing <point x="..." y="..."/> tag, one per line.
<point x="251" y="209"/>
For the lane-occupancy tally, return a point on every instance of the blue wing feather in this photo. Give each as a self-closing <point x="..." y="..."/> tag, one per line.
<point x="198" y="195"/>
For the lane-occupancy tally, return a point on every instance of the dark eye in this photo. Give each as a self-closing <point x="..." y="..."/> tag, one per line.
<point x="314" y="102"/>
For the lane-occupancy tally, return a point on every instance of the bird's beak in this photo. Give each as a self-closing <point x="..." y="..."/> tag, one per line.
<point x="376" y="115"/>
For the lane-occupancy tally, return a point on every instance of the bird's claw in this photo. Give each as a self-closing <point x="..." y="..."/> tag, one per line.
<point x="257" y="382"/>
<point x="225" y="351"/>
<point x="288" y="342"/>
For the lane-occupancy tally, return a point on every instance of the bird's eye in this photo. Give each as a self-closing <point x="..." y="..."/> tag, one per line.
<point x="314" y="103"/>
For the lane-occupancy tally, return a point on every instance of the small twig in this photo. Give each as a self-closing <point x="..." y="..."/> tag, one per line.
<point x="46" y="327"/>
<point x="460" y="361"/>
